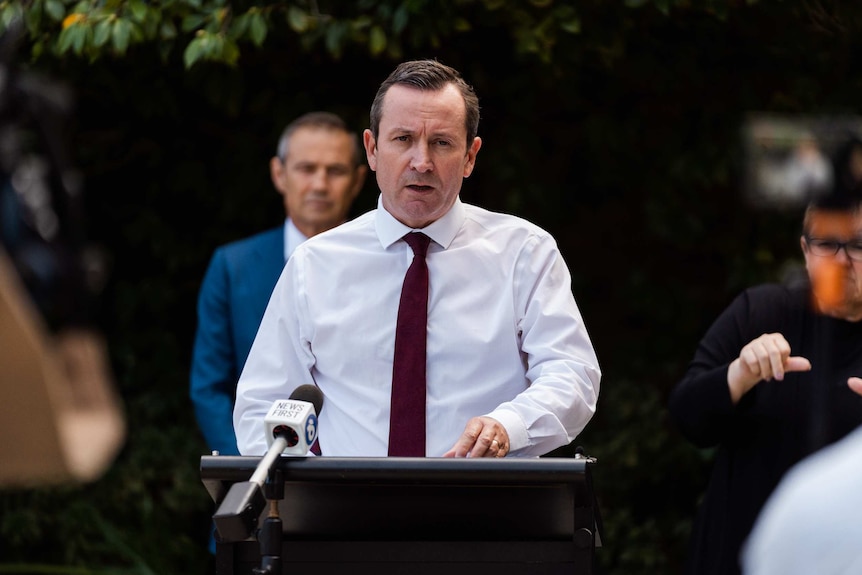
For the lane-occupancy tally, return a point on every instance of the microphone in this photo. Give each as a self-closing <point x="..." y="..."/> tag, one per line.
<point x="294" y="420"/>
<point x="291" y="428"/>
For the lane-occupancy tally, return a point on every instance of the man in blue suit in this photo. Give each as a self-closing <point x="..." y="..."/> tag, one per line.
<point x="318" y="170"/>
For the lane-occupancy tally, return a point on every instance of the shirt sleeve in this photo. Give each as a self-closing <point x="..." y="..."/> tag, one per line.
<point x="561" y="365"/>
<point x="278" y="363"/>
<point x="214" y="371"/>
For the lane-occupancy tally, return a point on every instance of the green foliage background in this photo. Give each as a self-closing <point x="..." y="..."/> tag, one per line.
<point x="613" y="124"/>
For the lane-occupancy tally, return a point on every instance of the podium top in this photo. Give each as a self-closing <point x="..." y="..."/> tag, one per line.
<point x="219" y="469"/>
<point x="396" y="498"/>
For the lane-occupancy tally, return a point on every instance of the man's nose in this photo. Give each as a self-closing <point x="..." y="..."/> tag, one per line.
<point x="421" y="159"/>
<point x="319" y="179"/>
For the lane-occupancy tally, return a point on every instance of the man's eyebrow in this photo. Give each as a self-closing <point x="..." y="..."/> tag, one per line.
<point x="436" y="133"/>
<point x="400" y="130"/>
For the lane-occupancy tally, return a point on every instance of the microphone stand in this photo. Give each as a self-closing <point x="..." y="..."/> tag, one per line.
<point x="237" y="515"/>
<point x="270" y="534"/>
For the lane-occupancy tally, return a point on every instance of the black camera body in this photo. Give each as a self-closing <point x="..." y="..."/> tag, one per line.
<point x="41" y="211"/>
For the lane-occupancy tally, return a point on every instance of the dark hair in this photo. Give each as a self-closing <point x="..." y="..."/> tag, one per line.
<point x="428" y="75"/>
<point x="322" y="121"/>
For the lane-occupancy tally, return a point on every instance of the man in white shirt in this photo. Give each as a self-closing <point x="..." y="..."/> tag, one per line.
<point x="318" y="171"/>
<point x="510" y="367"/>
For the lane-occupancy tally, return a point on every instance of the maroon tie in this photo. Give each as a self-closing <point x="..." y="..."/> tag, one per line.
<point x="407" y="418"/>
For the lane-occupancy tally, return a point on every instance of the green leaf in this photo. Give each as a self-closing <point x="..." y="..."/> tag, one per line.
<point x="361" y="22"/>
<point x="572" y="26"/>
<point x="9" y="13"/>
<point x="80" y="38"/>
<point x="230" y="52"/>
<point x="257" y="28"/>
<point x="102" y="33"/>
<point x="136" y="32"/>
<point x="167" y="30"/>
<point x="400" y="19"/>
<point x="193" y="52"/>
<point x="334" y="34"/>
<point x="377" y="41"/>
<point x="239" y="25"/>
<point x="67" y="36"/>
<point x="33" y="18"/>
<point x="150" y="25"/>
<point x="54" y="9"/>
<point x="462" y="25"/>
<point x="120" y="35"/>
<point x="138" y="9"/>
<point x="297" y="19"/>
<point x="193" y="22"/>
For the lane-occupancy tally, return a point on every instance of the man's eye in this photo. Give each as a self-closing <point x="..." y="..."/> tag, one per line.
<point x="826" y="244"/>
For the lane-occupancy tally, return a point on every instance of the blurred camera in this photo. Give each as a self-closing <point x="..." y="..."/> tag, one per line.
<point x="790" y="161"/>
<point x="41" y="211"/>
<point x="59" y="414"/>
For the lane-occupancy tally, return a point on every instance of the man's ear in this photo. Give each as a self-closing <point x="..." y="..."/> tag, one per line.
<point x="370" y="149"/>
<point x="472" y="152"/>
<point x="276" y="172"/>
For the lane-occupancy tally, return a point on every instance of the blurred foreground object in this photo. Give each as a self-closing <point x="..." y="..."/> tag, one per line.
<point x="59" y="417"/>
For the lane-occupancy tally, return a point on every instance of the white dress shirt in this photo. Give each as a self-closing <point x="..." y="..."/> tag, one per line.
<point x="505" y="336"/>
<point x="292" y="238"/>
<point x="811" y="523"/>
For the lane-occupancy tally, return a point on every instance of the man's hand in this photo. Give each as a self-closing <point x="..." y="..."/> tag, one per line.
<point x="763" y="359"/>
<point x="855" y="384"/>
<point x="482" y="437"/>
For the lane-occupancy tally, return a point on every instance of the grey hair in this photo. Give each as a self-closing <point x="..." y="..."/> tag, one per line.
<point x="323" y="121"/>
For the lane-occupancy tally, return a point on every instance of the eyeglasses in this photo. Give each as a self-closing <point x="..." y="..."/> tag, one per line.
<point x="829" y="248"/>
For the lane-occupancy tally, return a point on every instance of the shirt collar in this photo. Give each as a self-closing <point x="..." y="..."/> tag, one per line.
<point x="442" y="231"/>
<point x="292" y="238"/>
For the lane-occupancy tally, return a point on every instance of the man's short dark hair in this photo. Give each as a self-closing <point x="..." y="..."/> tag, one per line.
<point x="428" y="75"/>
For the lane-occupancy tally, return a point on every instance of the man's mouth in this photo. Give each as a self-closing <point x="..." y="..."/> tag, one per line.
<point x="420" y="188"/>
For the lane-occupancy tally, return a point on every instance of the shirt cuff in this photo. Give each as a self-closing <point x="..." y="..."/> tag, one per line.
<point x="514" y="426"/>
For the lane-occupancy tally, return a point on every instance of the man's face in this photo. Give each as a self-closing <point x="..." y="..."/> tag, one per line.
<point x="420" y="155"/>
<point x="837" y="279"/>
<point x="317" y="179"/>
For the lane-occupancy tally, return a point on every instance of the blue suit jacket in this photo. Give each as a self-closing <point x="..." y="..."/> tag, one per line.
<point x="231" y="302"/>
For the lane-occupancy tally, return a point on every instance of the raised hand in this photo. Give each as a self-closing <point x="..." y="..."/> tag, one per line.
<point x="762" y="359"/>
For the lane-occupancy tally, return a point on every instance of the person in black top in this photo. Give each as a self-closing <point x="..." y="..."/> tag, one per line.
<point x="768" y="384"/>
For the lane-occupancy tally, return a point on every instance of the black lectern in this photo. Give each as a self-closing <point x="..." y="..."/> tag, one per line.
<point x="421" y="516"/>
